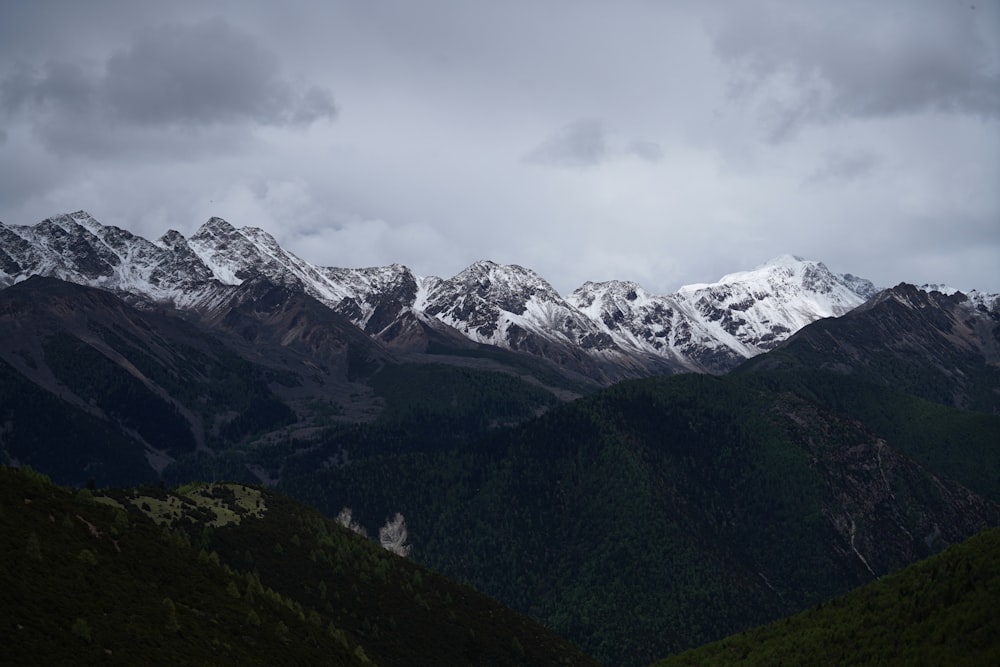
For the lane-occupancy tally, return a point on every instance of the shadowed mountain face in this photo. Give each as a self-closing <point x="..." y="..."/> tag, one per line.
<point x="942" y="347"/>
<point x="167" y="387"/>
<point x="96" y="389"/>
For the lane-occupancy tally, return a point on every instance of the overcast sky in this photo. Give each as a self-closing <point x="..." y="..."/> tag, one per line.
<point x="661" y="142"/>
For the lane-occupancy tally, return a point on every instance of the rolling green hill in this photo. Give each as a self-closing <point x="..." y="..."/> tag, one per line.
<point x="940" y="611"/>
<point x="227" y="574"/>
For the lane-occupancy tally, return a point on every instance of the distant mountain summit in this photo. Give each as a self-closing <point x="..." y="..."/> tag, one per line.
<point x="713" y="327"/>
<point x="604" y="331"/>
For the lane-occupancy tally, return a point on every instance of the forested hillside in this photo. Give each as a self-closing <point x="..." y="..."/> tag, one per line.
<point x="661" y="514"/>
<point x="940" y="611"/>
<point x="227" y="574"/>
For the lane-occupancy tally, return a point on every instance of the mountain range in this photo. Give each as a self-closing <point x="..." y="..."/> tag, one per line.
<point x="556" y="453"/>
<point x="605" y="331"/>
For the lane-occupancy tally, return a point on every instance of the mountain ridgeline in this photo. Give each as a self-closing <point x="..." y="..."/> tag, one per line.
<point x="604" y="331"/>
<point x="944" y="347"/>
<point x="642" y="474"/>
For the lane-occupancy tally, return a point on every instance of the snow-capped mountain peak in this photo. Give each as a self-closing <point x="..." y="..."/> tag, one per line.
<point x="762" y="307"/>
<point x="492" y="302"/>
<point x="714" y="325"/>
<point x="605" y="329"/>
<point x="784" y="274"/>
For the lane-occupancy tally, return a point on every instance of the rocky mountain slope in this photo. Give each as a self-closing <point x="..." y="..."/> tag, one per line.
<point x="134" y="389"/>
<point x="92" y="388"/>
<point x="603" y="331"/>
<point x="943" y="346"/>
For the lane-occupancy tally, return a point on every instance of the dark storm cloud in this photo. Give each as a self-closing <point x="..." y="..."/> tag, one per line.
<point x="587" y="143"/>
<point x="861" y="61"/>
<point x="192" y="76"/>
<point x="206" y="73"/>
<point x="54" y="84"/>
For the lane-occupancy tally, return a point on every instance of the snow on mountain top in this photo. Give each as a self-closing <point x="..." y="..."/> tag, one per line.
<point x="592" y="297"/>
<point x="215" y="222"/>
<point x="85" y="219"/>
<point x="778" y="269"/>
<point x="510" y="276"/>
<point x="786" y="260"/>
<point x="170" y="240"/>
<point x="705" y="326"/>
<point x="214" y="227"/>
<point x="988" y="301"/>
<point x="489" y="267"/>
<point x="943" y="289"/>
<point x="624" y="287"/>
<point x="976" y="299"/>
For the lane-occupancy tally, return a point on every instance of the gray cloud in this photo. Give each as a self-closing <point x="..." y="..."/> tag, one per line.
<point x="581" y="144"/>
<point x="839" y="167"/>
<point x="206" y="73"/>
<point x="314" y="104"/>
<point x="587" y="143"/>
<point x="54" y="85"/>
<point x="176" y="76"/>
<point x="650" y="151"/>
<point x="802" y="66"/>
<point x="881" y="120"/>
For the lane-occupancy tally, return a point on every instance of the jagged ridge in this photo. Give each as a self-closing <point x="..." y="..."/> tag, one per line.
<point x="605" y="331"/>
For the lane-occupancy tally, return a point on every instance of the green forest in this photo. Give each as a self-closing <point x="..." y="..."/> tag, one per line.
<point x="645" y="519"/>
<point x="226" y="574"/>
<point x="940" y="611"/>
